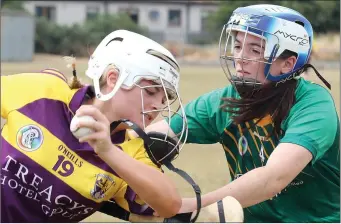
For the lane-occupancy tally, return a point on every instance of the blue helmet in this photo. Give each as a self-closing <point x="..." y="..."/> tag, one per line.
<point x="281" y="29"/>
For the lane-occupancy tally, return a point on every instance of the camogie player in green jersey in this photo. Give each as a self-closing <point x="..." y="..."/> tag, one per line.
<point x="280" y="132"/>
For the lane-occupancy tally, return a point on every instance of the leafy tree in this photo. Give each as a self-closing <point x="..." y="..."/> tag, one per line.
<point x="78" y="39"/>
<point x="12" y="4"/>
<point x="323" y="15"/>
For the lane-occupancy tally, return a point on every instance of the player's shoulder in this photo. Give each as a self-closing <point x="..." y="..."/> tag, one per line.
<point x="43" y="78"/>
<point x="217" y="94"/>
<point x="48" y="83"/>
<point x="50" y="76"/>
<point x="313" y="101"/>
<point x="53" y="73"/>
<point x="226" y="91"/>
<point x="310" y="92"/>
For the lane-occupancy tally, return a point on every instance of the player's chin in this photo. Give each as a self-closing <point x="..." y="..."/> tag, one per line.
<point x="147" y="122"/>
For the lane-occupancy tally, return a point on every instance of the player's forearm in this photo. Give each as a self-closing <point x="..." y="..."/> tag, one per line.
<point x="150" y="184"/>
<point x="256" y="186"/>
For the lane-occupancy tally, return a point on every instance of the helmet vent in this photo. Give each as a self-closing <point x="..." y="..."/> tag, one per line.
<point x="164" y="58"/>
<point x="273" y="9"/>
<point x="299" y="22"/>
<point x="115" y="39"/>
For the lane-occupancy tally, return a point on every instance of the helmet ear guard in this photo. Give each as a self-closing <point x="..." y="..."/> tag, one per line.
<point x="162" y="150"/>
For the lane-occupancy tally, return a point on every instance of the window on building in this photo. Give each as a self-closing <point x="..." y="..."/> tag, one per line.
<point x="132" y="12"/>
<point x="154" y="15"/>
<point x="174" y="17"/>
<point x="49" y="12"/>
<point x="92" y="12"/>
<point x="204" y="19"/>
<point x="134" y="17"/>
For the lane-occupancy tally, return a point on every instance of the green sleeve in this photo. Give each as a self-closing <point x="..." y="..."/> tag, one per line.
<point x="206" y="121"/>
<point x="312" y="122"/>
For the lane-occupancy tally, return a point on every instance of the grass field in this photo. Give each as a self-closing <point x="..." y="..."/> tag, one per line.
<point x="205" y="163"/>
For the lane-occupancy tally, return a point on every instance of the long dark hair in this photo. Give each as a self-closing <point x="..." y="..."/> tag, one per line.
<point x="271" y="99"/>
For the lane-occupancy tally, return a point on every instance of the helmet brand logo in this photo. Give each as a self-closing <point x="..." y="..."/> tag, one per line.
<point x="300" y="40"/>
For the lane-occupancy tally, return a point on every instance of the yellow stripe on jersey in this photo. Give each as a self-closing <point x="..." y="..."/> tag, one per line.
<point x="82" y="179"/>
<point x="140" y="155"/>
<point x="231" y="154"/>
<point x="267" y="134"/>
<point x="21" y="89"/>
<point x="231" y="170"/>
<point x="254" y="139"/>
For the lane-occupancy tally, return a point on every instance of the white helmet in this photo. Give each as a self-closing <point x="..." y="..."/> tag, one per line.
<point x="137" y="57"/>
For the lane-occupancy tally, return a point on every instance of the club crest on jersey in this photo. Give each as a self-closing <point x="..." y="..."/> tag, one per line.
<point x="242" y="145"/>
<point x="102" y="185"/>
<point x="30" y="138"/>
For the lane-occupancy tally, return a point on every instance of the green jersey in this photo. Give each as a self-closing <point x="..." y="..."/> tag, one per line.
<point x="314" y="195"/>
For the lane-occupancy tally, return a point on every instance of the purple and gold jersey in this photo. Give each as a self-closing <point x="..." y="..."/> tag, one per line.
<point x="47" y="175"/>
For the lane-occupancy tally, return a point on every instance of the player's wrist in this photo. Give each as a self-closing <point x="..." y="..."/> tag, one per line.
<point x="109" y="152"/>
<point x="188" y="205"/>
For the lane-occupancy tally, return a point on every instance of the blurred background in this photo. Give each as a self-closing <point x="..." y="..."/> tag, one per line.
<point x="36" y="34"/>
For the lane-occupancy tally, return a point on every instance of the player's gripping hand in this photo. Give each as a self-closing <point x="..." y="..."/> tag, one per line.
<point x="99" y="139"/>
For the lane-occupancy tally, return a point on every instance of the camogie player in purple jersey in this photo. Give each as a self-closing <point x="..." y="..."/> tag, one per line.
<point x="48" y="175"/>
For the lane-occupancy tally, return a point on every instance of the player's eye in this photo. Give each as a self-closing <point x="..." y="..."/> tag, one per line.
<point x="150" y="93"/>
<point x="236" y="47"/>
<point x="256" y="51"/>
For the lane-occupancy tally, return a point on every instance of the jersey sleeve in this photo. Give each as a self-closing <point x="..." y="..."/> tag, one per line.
<point x="20" y="89"/>
<point x="206" y="120"/>
<point x="312" y="123"/>
<point x="126" y="198"/>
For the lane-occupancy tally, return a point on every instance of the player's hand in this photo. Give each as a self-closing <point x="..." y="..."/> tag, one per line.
<point x="100" y="139"/>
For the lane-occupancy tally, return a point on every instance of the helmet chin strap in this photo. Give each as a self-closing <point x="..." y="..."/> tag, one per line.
<point x="292" y="75"/>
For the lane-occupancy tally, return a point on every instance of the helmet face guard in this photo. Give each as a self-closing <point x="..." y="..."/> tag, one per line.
<point x="246" y="82"/>
<point x="278" y="29"/>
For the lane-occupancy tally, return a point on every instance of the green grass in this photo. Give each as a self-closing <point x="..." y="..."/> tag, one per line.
<point x="205" y="163"/>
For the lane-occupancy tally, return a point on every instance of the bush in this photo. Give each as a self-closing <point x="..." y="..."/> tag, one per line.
<point x="79" y="39"/>
<point x="323" y="15"/>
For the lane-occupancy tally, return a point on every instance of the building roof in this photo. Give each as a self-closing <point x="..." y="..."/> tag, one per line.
<point x="14" y="12"/>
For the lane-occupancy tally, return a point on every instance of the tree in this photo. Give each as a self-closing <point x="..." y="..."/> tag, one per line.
<point x="323" y="15"/>
<point x="11" y="4"/>
<point x="79" y="39"/>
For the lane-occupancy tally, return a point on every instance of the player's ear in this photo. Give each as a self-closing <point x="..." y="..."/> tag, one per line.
<point x="288" y="64"/>
<point x="111" y="76"/>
